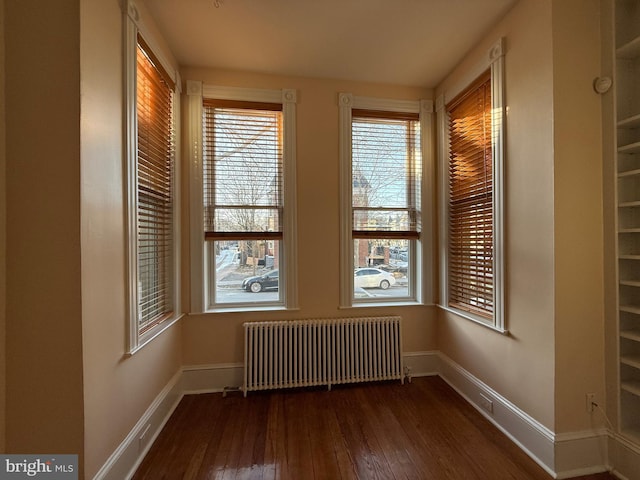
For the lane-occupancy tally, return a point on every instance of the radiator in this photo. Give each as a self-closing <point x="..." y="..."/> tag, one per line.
<point x="304" y="353"/>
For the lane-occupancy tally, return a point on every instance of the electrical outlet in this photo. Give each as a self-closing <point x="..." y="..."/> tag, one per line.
<point x="590" y="402"/>
<point x="486" y="403"/>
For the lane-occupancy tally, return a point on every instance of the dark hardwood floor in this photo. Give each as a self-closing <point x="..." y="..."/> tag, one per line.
<point x="422" y="430"/>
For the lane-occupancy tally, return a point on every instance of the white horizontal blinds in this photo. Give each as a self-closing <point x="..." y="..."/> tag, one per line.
<point x="471" y="200"/>
<point x="243" y="170"/>
<point x="155" y="159"/>
<point x="386" y="172"/>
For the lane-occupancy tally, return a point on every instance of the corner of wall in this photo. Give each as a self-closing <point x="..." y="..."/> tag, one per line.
<point x="43" y="354"/>
<point x="3" y="316"/>
<point x="577" y="176"/>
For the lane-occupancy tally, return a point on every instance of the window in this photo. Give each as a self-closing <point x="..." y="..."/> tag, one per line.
<point x="382" y="178"/>
<point x="243" y="198"/>
<point x="243" y="202"/>
<point x="470" y="246"/>
<point x="151" y="192"/>
<point x="472" y="205"/>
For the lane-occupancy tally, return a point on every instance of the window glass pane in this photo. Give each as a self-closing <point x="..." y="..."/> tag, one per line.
<point x="384" y="166"/>
<point x="247" y="219"/>
<point x="244" y="271"/>
<point x="382" y="268"/>
<point x="243" y="170"/>
<point x="378" y="219"/>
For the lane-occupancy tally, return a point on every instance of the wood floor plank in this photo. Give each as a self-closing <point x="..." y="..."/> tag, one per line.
<point x="224" y="464"/>
<point x="405" y="460"/>
<point x="298" y="452"/>
<point x="274" y="432"/>
<point x="371" y="431"/>
<point x="361" y="438"/>
<point x="420" y="422"/>
<point x="344" y="460"/>
<point x="318" y="418"/>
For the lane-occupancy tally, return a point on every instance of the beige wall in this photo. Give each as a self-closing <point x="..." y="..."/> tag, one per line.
<point x="554" y="352"/>
<point x="578" y="221"/>
<point x="610" y="209"/>
<point x="69" y="386"/>
<point x="44" y="323"/>
<point x="118" y="388"/>
<point x="217" y="338"/>
<point x="519" y="366"/>
<point x="3" y="242"/>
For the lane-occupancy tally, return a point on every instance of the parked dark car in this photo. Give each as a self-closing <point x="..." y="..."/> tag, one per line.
<point x="267" y="281"/>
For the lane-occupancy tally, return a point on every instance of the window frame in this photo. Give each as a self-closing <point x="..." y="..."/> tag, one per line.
<point x="494" y="62"/>
<point x="202" y="300"/>
<point x="133" y="29"/>
<point x="421" y="249"/>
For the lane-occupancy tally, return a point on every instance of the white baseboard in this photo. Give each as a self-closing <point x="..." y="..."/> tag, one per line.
<point x="124" y="461"/>
<point x="562" y="456"/>
<point x="581" y="453"/>
<point x="215" y="377"/>
<point x="211" y="378"/>
<point x="625" y="456"/>
<point x="421" y="364"/>
<point x="529" y="434"/>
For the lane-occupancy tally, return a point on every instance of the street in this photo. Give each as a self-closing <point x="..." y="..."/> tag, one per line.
<point x="237" y="295"/>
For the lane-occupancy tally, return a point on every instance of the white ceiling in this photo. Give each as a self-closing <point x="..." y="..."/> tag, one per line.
<point x="403" y="42"/>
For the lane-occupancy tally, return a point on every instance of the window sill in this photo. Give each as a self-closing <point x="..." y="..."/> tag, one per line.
<point x="148" y="337"/>
<point x="474" y="319"/>
<point x="400" y="303"/>
<point x="245" y="308"/>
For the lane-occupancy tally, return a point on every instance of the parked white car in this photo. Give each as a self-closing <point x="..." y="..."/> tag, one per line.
<point x="373" y="278"/>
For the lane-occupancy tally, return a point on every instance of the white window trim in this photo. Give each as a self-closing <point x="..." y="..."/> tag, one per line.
<point x="132" y="26"/>
<point x="196" y="92"/>
<point x="495" y="61"/>
<point x="422" y="274"/>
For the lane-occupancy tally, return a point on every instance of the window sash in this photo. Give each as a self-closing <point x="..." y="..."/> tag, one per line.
<point x="154" y="190"/>
<point x="385" y="196"/>
<point x="243" y="169"/>
<point x="470" y="206"/>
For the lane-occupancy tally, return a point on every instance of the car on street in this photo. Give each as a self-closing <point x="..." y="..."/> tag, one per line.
<point x="373" y="278"/>
<point x="267" y="281"/>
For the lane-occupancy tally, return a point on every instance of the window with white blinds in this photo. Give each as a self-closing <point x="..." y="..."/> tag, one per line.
<point x="243" y="170"/>
<point x="470" y="209"/>
<point x="154" y="190"/>
<point x="243" y="199"/>
<point x="386" y="172"/>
